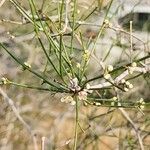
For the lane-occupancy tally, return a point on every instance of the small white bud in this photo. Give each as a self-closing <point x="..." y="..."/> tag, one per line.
<point x="134" y="64"/>
<point x="88" y="86"/>
<point x="126" y="89"/>
<point x="141" y="100"/>
<point x="130" y="86"/>
<point x="98" y="104"/>
<point x="78" y="11"/>
<point x="112" y="103"/>
<point x="110" y="68"/>
<point x="107" y="76"/>
<point x="127" y="83"/>
<point x="119" y="104"/>
<point x="27" y="64"/>
<point x="73" y="103"/>
<point x="114" y="98"/>
<point x="142" y="107"/>
<point x="123" y="81"/>
<point x="78" y="65"/>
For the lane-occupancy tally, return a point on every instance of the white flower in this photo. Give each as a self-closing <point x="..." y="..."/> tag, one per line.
<point x="86" y="55"/>
<point x="119" y="104"/>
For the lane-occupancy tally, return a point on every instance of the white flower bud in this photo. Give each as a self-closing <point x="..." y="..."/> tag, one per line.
<point x="142" y="107"/>
<point x="107" y="76"/>
<point x="126" y="89"/>
<point x="127" y="83"/>
<point x="134" y="64"/>
<point x="73" y="103"/>
<point x="88" y="86"/>
<point x="119" y="104"/>
<point x="98" y="104"/>
<point x="114" y="98"/>
<point x="78" y="65"/>
<point x="130" y="86"/>
<point x="27" y="65"/>
<point x="110" y="68"/>
<point x="123" y="81"/>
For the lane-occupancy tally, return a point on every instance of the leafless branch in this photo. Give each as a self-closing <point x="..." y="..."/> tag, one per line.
<point x="124" y="113"/>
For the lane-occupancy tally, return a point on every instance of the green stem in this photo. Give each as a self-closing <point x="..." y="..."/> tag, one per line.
<point x="32" y="71"/>
<point x="34" y="87"/>
<point x="60" y="39"/>
<point x="73" y="25"/>
<point x="115" y="70"/>
<point x="76" y="125"/>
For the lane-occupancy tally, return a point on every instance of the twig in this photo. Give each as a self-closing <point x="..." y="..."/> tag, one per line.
<point x="16" y="112"/>
<point x="116" y="29"/>
<point x="121" y="76"/>
<point x="131" y="42"/>
<point x="2" y="2"/>
<point x="43" y="143"/>
<point x="134" y="127"/>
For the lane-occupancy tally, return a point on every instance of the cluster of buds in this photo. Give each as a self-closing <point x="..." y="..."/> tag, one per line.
<point x="141" y="103"/>
<point x="86" y="55"/>
<point x="107" y="24"/>
<point x="108" y="69"/>
<point x="114" y="100"/>
<point x="81" y="94"/>
<point x="127" y="85"/>
<point x="68" y="99"/>
<point x="73" y="85"/>
<point x="4" y="81"/>
<point x="131" y="69"/>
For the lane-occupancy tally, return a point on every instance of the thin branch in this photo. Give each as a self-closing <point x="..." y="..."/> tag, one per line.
<point x="115" y="70"/>
<point x="16" y="112"/>
<point x="124" y="113"/>
<point x="2" y="2"/>
<point x="120" y="77"/>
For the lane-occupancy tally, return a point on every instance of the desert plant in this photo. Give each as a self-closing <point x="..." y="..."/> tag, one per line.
<point x="68" y="54"/>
